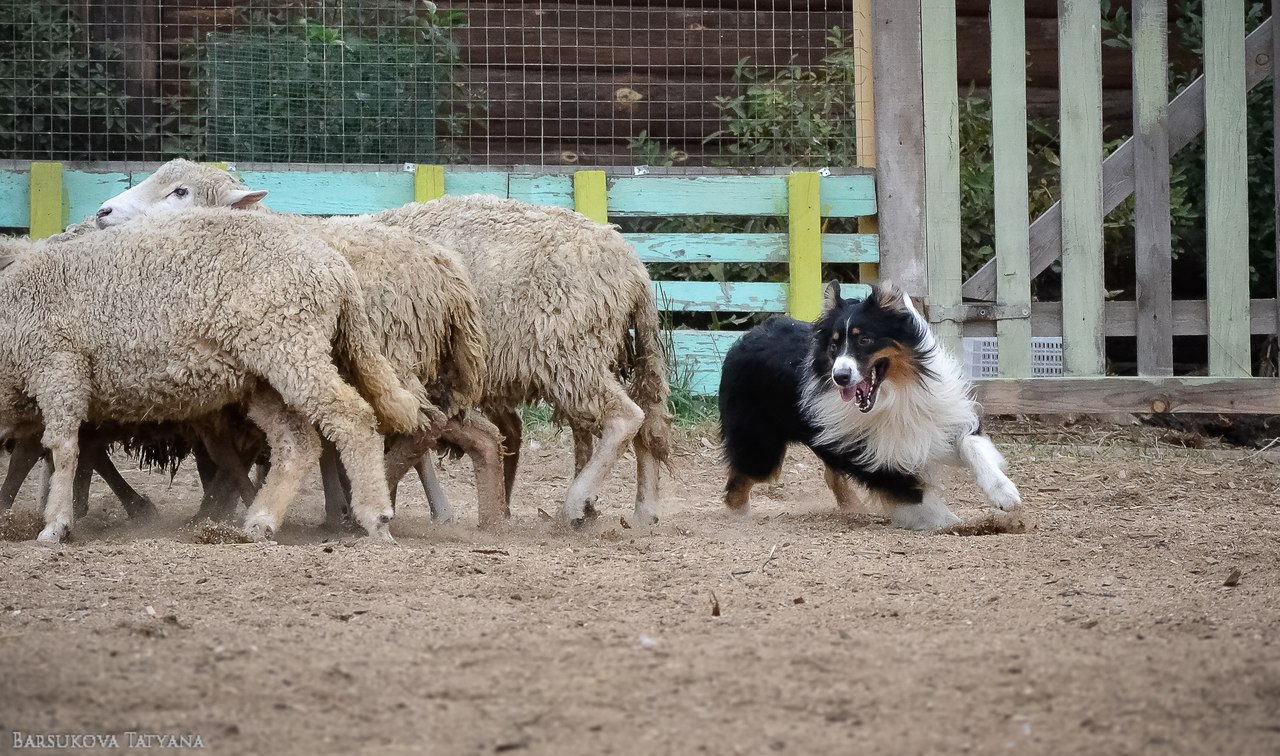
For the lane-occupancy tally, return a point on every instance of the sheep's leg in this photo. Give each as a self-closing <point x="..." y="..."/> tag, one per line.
<point x="480" y="440"/>
<point x="137" y="506"/>
<point x="83" y="479"/>
<point x="26" y="453"/>
<point x="509" y="425"/>
<point x="220" y="498"/>
<point x="295" y="447"/>
<point x="337" y="507"/>
<point x="46" y="476"/>
<point x="62" y="396"/>
<point x="648" y="508"/>
<point x="221" y="448"/>
<point x="441" y="509"/>
<point x="583" y="443"/>
<point x="621" y="421"/>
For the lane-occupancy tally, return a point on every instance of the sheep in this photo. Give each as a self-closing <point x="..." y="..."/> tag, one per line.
<point x="175" y="318"/>
<point x="421" y="302"/>
<point x="557" y="292"/>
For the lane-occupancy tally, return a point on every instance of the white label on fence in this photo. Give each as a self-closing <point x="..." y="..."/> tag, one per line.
<point x="824" y="172"/>
<point x="410" y="167"/>
<point x="640" y="170"/>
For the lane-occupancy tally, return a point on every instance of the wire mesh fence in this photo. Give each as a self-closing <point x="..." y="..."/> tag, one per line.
<point x="733" y="82"/>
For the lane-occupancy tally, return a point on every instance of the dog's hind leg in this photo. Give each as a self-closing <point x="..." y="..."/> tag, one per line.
<point x="737" y="492"/>
<point x="987" y="464"/>
<point x="840" y="485"/>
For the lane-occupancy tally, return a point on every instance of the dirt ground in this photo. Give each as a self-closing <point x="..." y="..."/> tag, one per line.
<point x="1106" y="627"/>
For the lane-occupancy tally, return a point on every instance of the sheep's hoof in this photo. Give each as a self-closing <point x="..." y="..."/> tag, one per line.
<point x="141" y="509"/>
<point x="53" y="534"/>
<point x="589" y="512"/>
<point x="260" y="532"/>
<point x="646" y="515"/>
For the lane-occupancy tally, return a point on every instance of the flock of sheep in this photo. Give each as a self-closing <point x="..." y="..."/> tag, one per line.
<point x="186" y="318"/>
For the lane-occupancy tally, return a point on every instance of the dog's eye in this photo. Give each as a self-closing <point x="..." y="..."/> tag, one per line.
<point x="831" y="347"/>
<point x="864" y="340"/>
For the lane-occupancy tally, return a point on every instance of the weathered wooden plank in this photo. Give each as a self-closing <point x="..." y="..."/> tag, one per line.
<point x="709" y="296"/>
<point x="15" y="199"/>
<point x="642" y="196"/>
<point x="942" y="164"/>
<point x="1226" y="199"/>
<point x="332" y="193"/>
<point x="747" y="248"/>
<point x="590" y="196"/>
<point x="428" y="182"/>
<point x="1105" y="395"/>
<point x="1153" y="252"/>
<point x="553" y="191"/>
<point x="1080" y="45"/>
<point x="699" y="356"/>
<point x="1275" y="154"/>
<point x="85" y="192"/>
<point x="804" y="234"/>
<point x="900" y="192"/>
<point x="1186" y="121"/>
<point x="46" y="195"/>
<point x="1009" y="153"/>
<point x="1190" y="318"/>
<point x="484" y="182"/>
<point x="864" y="103"/>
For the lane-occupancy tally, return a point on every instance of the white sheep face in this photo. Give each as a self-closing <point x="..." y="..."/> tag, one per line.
<point x="177" y="185"/>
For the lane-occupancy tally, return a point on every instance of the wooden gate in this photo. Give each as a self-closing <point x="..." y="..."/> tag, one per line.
<point x="918" y="187"/>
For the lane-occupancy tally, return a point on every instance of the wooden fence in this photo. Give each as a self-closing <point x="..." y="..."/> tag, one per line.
<point x="915" y="59"/>
<point x="45" y="198"/>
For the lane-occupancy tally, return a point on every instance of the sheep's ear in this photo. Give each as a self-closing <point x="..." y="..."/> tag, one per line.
<point x="241" y="199"/>
<point x="890" y="298"/>
<point x="831" y="297"/>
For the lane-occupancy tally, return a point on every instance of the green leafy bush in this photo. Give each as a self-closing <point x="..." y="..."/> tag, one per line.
<point x="58" y="100"/>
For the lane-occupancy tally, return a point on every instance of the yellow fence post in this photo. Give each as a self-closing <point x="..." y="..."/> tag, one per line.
<point x="47" y="207"/>
<point x="591" y="196"/>
<point x="428" y="182"/>
<point x="804" y="231"/>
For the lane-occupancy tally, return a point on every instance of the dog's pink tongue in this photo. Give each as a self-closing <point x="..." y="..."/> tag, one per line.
<point x="847" y="392"/>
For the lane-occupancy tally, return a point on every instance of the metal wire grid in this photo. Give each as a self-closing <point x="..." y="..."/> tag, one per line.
<point x="680" y="82"/>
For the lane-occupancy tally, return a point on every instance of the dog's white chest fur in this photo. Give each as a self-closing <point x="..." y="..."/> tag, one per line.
<point x="911" y="427"/>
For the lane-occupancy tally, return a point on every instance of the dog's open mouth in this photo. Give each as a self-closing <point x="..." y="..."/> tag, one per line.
<point x="864" y="392"/>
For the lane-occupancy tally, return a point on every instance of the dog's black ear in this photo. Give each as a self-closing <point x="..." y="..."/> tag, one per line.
<point x="889" y="297"/>
<point x="831" y="297"/>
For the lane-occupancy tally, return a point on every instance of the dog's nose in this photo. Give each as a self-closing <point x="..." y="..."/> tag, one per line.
<point x="842" y="376"/>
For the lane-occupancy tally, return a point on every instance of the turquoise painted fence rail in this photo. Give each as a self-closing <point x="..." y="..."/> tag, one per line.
<point x="697" y="354"/>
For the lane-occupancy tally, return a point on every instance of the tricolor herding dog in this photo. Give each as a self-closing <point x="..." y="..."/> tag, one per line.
<point x="870" y="391"/>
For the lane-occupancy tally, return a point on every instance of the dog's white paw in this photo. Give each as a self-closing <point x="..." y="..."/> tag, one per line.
<point x="1003" y="494"/>
<point x="927" y="515"/>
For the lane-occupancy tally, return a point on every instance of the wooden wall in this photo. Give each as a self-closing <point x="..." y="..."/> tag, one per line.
<point x="570" y="82"/>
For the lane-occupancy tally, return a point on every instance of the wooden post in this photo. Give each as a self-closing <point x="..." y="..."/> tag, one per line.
<point x="942" y="169"/>
<point x="899" y="134"/>
<point x="804" y="232"/>
<point x="590" y="195"/>
<point x="47" y="207"/>
<point x="1153" y="258"/>
<point x="1009" y="148"/>
<point x="1080" y="52"/>
<point x="1275" y="125"/>
<point x="1226" y="188"/>
<point x="428" y="182"/>
<point x="864" y="116"/>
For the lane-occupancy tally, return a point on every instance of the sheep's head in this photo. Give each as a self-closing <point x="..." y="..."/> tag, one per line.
<point x="176" y="185"/>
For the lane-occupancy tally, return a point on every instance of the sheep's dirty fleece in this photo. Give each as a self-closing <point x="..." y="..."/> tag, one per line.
<point x="1138" y="612"/>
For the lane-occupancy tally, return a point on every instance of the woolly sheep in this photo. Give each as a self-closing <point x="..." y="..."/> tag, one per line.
<point x="175" y="318"/>
<point x="558" y="295"/>
<point x="421" y="303"/>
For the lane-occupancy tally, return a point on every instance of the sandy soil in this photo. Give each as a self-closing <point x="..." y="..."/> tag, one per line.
<point x="1105" y="628"/>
